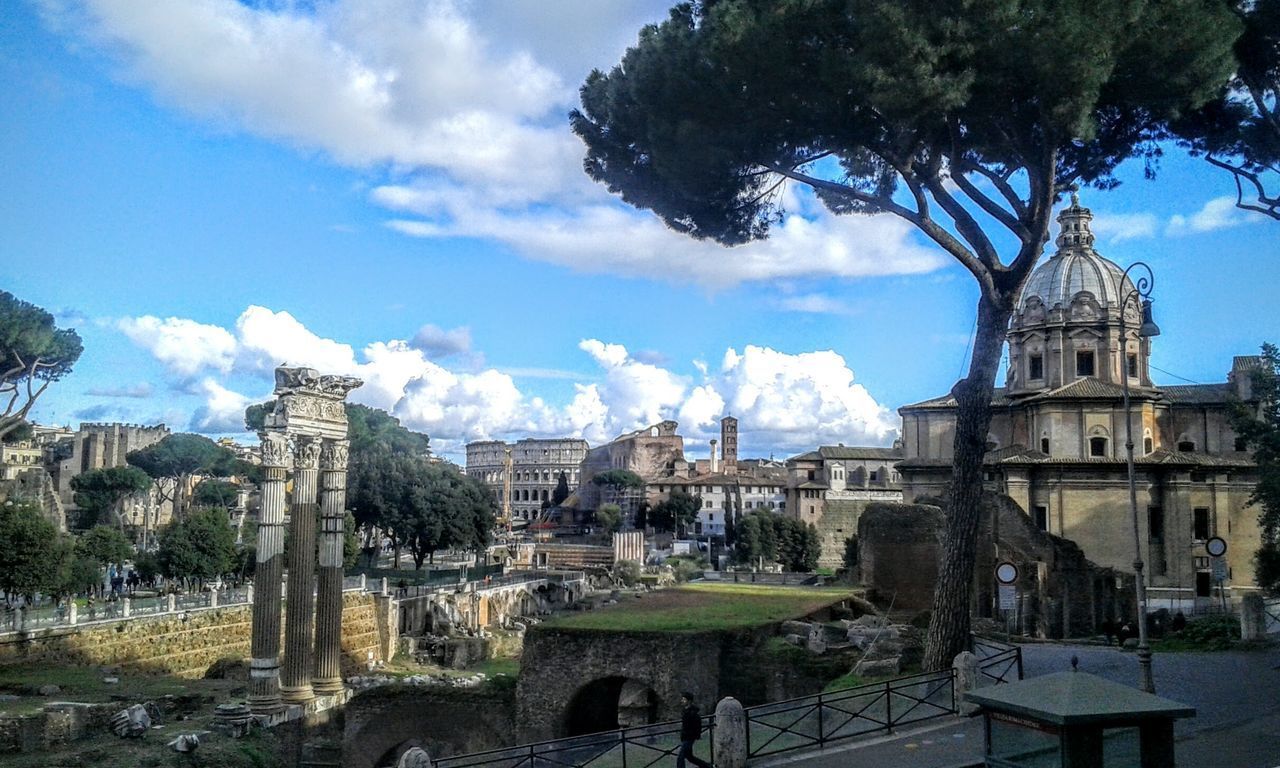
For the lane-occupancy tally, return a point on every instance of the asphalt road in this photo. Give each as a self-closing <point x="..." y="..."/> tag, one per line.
<point x="1236" y="695"/>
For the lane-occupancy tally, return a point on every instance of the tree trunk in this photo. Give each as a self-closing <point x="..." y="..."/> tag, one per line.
<point x="948" y="632"/>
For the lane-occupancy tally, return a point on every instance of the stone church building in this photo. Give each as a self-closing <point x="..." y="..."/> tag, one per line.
<point x="1057" y="439"/>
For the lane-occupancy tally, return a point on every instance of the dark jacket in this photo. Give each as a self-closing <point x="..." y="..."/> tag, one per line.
<point x="690" y="724"/>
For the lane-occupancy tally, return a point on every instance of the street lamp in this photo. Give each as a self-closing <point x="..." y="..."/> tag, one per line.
<point x="1141" y="298"/>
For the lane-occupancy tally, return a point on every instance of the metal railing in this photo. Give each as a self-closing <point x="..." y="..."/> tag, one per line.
<point x="997" y="662"/>
<point x="826" y="718"/>
<point x="1271" y="614"/>
<point x="640" y="747"/>
<point x="783" y="726"/>
<point x="125" y="608"/>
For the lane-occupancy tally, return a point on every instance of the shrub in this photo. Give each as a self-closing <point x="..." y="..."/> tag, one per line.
<point x="627" y="572"/>
<point x="1209" y="633"/>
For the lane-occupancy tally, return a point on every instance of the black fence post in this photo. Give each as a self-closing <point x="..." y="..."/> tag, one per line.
<point x="1019" y="653"/>
<point x="622" y="735"/>
<point x="822" y="733"/>
<point x="888" y="708"/>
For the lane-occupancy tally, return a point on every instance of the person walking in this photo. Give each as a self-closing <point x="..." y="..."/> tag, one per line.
<point x="690" y="732"/>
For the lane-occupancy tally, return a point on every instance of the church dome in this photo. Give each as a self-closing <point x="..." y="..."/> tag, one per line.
<point x="1076" y="268"/>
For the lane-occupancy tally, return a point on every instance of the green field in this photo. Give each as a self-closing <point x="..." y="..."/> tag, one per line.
<point x="704" y="607"/>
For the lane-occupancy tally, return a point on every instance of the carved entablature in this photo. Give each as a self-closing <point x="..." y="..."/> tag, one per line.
<point x="306" y="454"/>
<point x="310" y="404"/>
<point x="333" y="456"/>
<point x="275" y="450"/>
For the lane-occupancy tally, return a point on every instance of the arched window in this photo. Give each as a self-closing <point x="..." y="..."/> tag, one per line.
<point x="1044" y="445"/>
<point x="1148" y="445"/>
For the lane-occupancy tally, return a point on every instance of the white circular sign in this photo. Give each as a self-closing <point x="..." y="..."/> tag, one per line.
<point x="1217" y="546"/>
<point x="1006" y="573"/>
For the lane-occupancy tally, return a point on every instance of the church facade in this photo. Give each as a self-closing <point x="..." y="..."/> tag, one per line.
<point x="1057" y="439"/>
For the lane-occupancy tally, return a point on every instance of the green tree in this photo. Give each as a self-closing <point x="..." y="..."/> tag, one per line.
<point x="1258" y="423"/>
<point x="106" y="545"/>
<point x="197" y="548"/>
<point x="609" y="517"/>
<point x="965" y="119"/>
<point x="1239" y="131"/>
<point x="676" y="512"/>
<point x="175" y="460"/>
<point x="100" y="492"/>
<point x="350" y="542"/>
<point x="34" y="353"/>
<point x="849" y="559"/>
<point x="561" y="492"/>
<point x="79" y="570"/>
<point x="30" y="550"/>
<point x="212" y="493"/>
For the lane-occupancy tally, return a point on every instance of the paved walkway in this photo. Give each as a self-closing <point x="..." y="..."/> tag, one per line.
<point x="1236" y="695"/>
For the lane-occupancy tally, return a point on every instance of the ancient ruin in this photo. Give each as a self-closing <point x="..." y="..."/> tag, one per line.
<point x="306" y="433"/>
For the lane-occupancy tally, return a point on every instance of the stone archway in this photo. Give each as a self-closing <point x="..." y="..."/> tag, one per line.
<point x="610" y="703"/>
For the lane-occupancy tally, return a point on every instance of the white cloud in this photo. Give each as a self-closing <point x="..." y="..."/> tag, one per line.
<point x="223" y="409"/>
<point x="459" y="104"/>
<point x="1118" y="227"/>
<point x="814" y="303"/>
<point x="1218" y="213"/>
<point x="784" y="401"/>
<point x="185" y="346"/>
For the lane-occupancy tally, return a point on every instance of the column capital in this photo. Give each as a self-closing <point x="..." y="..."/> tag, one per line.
<point x="306" y="452"/>
<point x="333" y="455"/>
<point x="275" y="450"/>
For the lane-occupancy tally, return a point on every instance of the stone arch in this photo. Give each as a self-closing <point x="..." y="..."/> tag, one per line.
<point x="609" y="703"/>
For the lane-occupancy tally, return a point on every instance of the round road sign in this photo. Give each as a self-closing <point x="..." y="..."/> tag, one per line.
<point x="1006" y="573"/>
<point x="1217" y="547"/>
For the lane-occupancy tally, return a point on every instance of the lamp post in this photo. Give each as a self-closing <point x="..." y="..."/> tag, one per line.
<point x="1141" y="298"/>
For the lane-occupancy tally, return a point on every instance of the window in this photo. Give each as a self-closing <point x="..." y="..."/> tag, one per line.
<point x="711" y="518"/>
<point x="1200" y="523"/>
<point x="1042" y="517"/>
<point x="706" y="489"/>
<point x="1133" y="366"/>
<point x="1035" y="367"/>
<point x="1187" y="446"/>
<point x="1098" y="447"/>
<point x="707" y="504"/>
<point x="746" y="505"/>
<point x="1084" y="363"/>
<point x="1204" y="584"/>
<point x="875" y="475"/>
<point x="1044" y="445"/>
<point x="1147" y="445"/>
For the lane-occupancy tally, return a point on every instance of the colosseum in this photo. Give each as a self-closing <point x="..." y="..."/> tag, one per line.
<point x="536" y="465"/>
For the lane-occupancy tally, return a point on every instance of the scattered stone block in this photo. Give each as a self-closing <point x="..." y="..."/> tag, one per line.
<point x="878" y="667"/>
<point x="49" y="690"/>
<point x="187" y="742"/>
<point x="131" y="723"/>
<point x="414" y="757"/>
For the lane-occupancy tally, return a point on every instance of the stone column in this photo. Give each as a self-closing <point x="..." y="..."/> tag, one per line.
<point x="333" y="498"/>
<point x="299" y="623"/>
<point x="264" y="666"/>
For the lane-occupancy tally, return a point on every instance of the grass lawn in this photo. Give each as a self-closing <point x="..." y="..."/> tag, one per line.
<point x="704" y="607"/>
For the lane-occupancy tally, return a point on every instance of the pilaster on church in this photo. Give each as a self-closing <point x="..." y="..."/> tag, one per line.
<point x="303" y="440"/>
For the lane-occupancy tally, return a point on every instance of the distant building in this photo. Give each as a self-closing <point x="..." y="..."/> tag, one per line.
<point x="98" y="446"/>
<point x="536" y="466"/>
<point x="1057" y="438"/>
<point x="830" y="487"/>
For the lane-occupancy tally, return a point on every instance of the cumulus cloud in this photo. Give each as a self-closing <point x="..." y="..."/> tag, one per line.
<point x="435" y="342"/>
<point x="785" y="401"/>
<point x="185" y="346"/>
<point x="222" y="411"/>
<point x="1118" y="227"/>
<point x="465" y="107"/>
<point x="1218" y="213"/>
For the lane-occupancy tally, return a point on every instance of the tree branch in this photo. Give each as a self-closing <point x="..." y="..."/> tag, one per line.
<point x="1267" y="205"/>
<point x="968" y="227"/>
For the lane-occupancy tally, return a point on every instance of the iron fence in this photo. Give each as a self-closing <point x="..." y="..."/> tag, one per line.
<point x="783" y="726"/>
<point x="1271" y="614"/>
<point x="815" y="721"/>
<point x="997" y="662"/>
<point x="640" y="747"/>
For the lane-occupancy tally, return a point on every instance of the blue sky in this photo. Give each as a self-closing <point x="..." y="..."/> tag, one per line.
<point x="389" y="188"/>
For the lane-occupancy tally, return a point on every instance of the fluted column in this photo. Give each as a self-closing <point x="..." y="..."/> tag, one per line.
<point x="264" y="666"/>
<point x="333" y="496"/>
<point x="299" y="624"/>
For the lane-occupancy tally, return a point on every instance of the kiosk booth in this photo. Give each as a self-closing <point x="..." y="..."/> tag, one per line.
<point x="1076" y="720"/>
